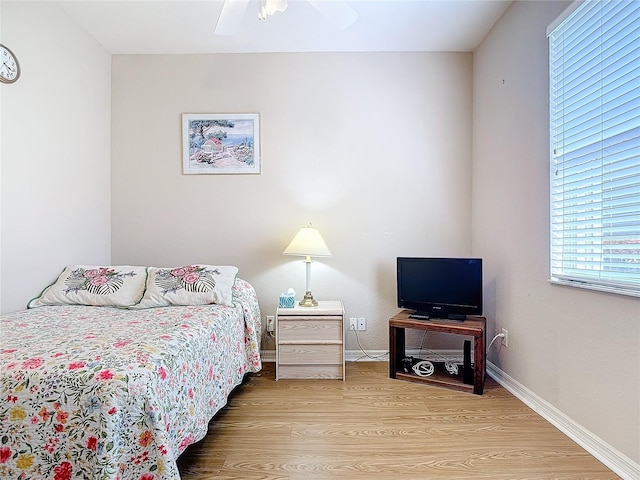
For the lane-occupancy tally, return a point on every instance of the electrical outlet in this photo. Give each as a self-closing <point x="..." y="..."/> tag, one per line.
<point x="505" y="338"/>
<point x="270" y="323"/>
<point x="353" y="323"/>
<point x="362" y="323"/>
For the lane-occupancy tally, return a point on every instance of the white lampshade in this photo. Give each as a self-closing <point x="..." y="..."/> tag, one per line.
<point x="308" y="242"/>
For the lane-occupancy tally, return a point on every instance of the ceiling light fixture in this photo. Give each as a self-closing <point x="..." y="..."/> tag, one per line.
<point x="337" y="12"/>
<point x="269" y="7"/>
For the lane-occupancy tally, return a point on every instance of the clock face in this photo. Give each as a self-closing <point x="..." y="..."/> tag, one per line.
<point x="9" y="67"/>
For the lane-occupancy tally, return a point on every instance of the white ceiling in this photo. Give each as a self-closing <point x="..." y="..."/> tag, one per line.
<point x="185" y="26"/>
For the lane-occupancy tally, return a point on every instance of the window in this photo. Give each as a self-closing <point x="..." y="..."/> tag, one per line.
<point x="594" y="68"/>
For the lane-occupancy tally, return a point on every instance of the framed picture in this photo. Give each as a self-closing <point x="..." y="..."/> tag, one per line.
<point x="220" y="143"/>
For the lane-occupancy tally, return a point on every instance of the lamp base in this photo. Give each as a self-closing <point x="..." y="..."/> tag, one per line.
<point x="308" y="300"/>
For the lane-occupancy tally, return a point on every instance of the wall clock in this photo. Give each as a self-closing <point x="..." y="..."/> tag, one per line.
<point x="9" y="66"/>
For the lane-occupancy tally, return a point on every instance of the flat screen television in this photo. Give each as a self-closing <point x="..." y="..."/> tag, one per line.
<point x="440" y="287"/>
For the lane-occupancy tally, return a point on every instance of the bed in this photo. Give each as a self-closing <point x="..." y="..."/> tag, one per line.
<point x="120" y="390"/>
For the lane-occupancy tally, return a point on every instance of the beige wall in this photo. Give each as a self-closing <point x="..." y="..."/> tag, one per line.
<point x="373" y="149"/>
<point x="577" y="349"/>
<point x="55" y="151"/>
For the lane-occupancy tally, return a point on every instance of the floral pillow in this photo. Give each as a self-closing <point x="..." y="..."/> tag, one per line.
<point x="114" y="286"/>
<point x="189" y="285"/>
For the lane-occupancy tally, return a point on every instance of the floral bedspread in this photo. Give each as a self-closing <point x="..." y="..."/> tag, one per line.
<point x="105" y="393"/>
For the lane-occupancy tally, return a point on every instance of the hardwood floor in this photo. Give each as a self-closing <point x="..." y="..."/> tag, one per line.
<point x="372" y="427"/>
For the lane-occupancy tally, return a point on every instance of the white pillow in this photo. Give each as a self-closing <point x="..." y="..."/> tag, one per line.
<point x="111" y="286"/>
<point x="189" y="285"/>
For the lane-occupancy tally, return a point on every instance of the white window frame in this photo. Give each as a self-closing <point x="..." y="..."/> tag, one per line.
<point x="589" y="248"/>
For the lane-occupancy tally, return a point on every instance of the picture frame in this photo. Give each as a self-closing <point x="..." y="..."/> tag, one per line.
<point x="220" y="143"/>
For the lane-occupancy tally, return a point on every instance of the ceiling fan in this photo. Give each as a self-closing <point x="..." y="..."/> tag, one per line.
<point x="337" y="12"/>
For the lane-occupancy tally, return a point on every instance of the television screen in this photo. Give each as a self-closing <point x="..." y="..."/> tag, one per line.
<point x="440" y="287"/>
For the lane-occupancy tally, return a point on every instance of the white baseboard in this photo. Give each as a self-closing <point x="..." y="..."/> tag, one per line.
<point x="268" y="356"/>
<point x="609" y="456"/>
<point x="370" y="356"/>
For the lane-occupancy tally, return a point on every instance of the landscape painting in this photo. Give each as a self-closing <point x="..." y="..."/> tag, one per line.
<point x="221" y="143"/>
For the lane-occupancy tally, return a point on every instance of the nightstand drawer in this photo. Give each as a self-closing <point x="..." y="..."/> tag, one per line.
<point x="301" y="329"/>
<point x="306" y="354"/>
<point x="319" y="372"/>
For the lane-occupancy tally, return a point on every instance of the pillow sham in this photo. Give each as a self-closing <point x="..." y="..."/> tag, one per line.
<point x="100" y="286"/>
<point x="189" y="285"/>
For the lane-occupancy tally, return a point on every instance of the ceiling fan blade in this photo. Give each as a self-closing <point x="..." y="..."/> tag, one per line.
<point x="337" y="12"/>
<point x="231" y="17"/>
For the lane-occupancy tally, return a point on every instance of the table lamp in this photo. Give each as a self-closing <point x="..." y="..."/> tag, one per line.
<point x="308" y="243"/>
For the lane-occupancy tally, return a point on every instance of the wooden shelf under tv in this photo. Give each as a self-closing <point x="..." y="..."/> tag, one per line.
<point x="474" y="326"/>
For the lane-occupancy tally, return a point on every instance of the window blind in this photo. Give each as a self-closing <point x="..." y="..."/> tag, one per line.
<point x="594" y="68"/>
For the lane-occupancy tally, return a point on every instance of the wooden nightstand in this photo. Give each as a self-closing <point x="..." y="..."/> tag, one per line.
<point x="310" y="341"/>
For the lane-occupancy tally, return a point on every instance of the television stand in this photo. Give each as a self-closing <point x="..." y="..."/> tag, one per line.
<point x="471" y="326"/>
